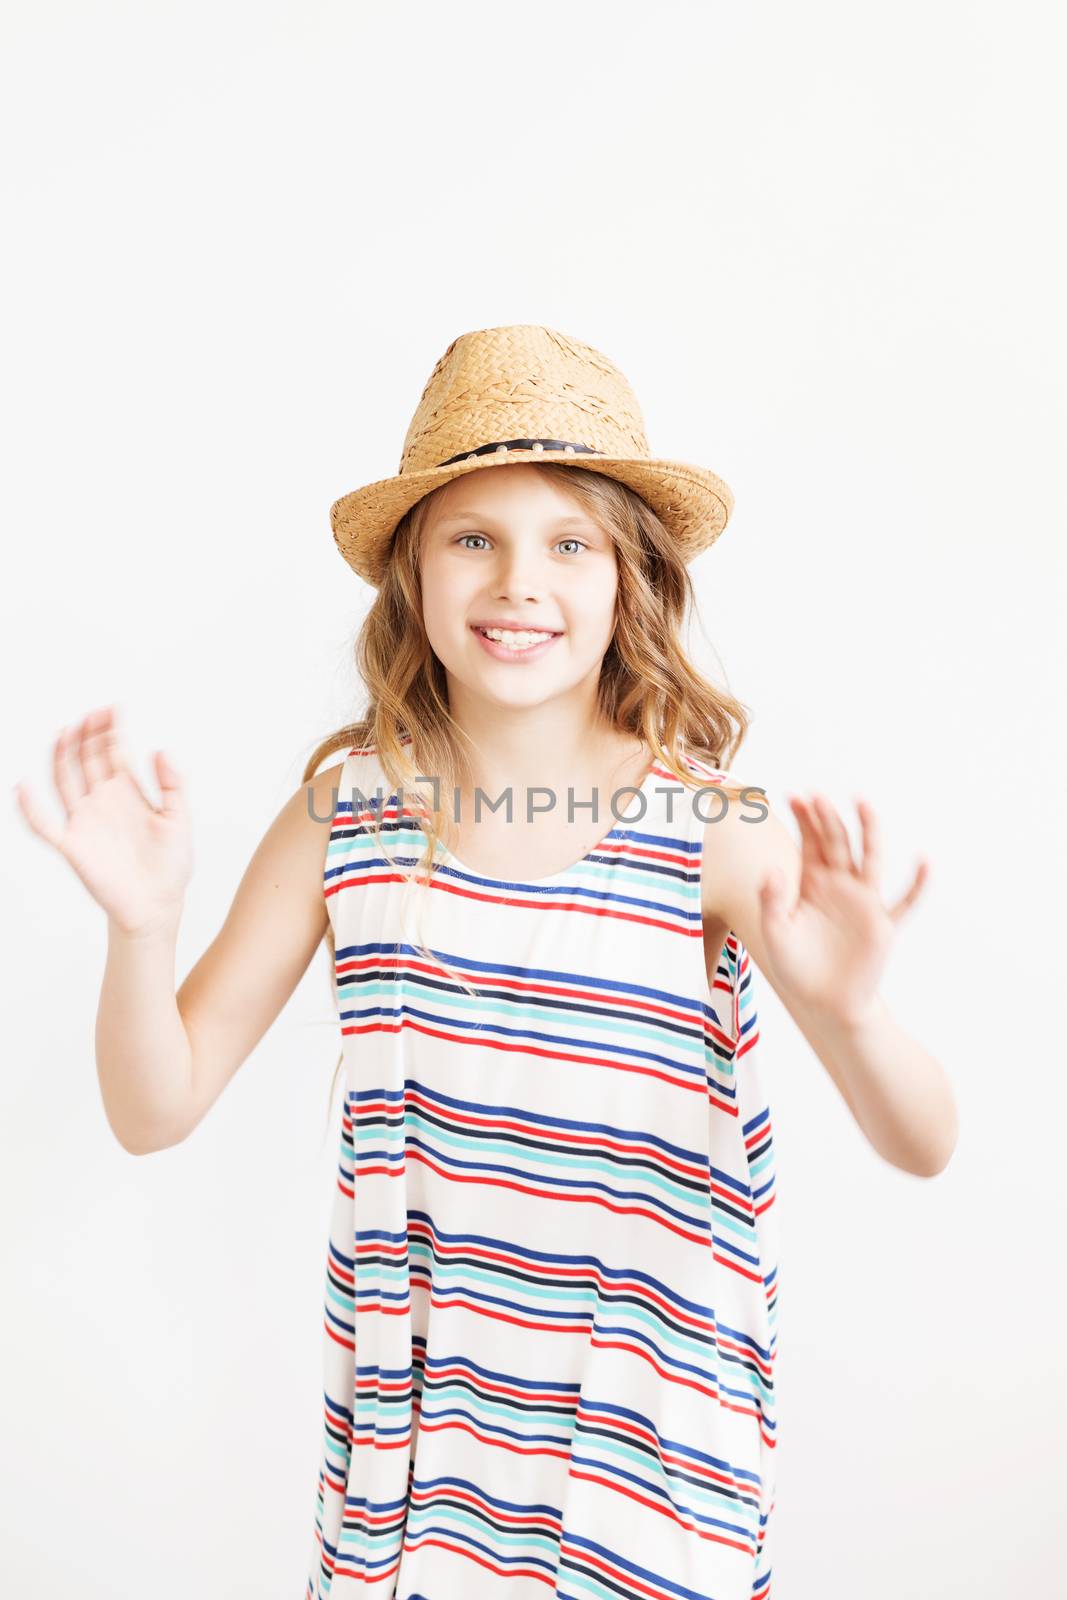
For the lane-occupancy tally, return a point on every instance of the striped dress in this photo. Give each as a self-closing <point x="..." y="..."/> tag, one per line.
<point x="551" y="1277"/>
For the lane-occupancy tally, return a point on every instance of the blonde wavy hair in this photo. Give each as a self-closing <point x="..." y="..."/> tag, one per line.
<point x="648" y="686"/>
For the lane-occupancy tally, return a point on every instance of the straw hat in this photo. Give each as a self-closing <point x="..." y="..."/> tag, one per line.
<point x="526" y="393"/>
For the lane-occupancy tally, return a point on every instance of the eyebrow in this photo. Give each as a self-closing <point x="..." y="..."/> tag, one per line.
<point x="480" y="516"/>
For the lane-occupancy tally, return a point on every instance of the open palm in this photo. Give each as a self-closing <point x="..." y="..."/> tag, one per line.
<point x="134" y="857"/>
<point x="829" y="950"/>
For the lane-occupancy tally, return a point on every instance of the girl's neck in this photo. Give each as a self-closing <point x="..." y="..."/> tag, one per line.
<point x="605" y="758"/>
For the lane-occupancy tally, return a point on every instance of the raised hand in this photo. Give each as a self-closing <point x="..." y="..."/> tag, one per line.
<point x="830" y="949"/>
<point x="134" y="857"/>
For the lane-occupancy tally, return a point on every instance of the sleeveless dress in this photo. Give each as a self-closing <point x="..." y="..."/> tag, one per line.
<point x="551" y="1277"/>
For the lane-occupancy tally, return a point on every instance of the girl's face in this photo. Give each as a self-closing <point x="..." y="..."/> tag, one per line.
<point x="505" y="546"/>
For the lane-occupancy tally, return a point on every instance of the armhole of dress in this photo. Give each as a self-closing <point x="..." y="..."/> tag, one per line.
<point x="721" y="986"/>
<point x="743" y="1021"/>
<point x="340" y="823"/>
<point x="745" y="1024"/>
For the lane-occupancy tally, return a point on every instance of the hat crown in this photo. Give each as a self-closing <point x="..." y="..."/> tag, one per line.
<point x="522" y="381"/>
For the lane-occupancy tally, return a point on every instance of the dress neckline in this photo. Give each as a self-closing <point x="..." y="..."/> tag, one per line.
<point x="618" y="828"/>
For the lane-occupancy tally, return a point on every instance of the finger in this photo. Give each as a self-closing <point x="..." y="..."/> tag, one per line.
<point x="171" y="786"/>
<point x="96" y="767"/>
<point x="106" y="745"/>
<point x="810" y="838"/>
<point x="41" y="824"/>
<point x="65" y="775"/>
<point x="116" y="752"/>
<point x="812" y="861"/>
<point x="835" y="840"/>
<point x="871" y="864"/>
<point x="908" y="899"/>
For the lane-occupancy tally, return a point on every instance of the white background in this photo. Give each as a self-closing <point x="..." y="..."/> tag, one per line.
<point x="822" y="243"/>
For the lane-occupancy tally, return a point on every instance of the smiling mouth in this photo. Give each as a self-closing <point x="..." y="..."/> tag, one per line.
<point x="516" y="641"/>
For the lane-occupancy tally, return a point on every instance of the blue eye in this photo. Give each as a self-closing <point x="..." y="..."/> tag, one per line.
<point x="462" y="540"/>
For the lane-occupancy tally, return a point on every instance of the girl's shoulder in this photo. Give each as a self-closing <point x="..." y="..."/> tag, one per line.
<point x="355" y="777"/>
<point x="744" y="839"/>
<point x="713" y="776"/>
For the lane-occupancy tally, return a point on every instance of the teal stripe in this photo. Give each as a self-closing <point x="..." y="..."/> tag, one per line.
<point x="352" y="989"/>
<point x="582" y="1161"/>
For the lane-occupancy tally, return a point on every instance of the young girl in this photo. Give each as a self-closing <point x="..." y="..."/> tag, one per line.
<point x="552" y="1276"/>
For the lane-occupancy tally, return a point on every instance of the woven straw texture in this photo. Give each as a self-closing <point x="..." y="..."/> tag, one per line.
<point x="527" y="383"/>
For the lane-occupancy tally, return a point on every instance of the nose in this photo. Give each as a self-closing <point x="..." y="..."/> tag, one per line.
<point x="516" y="578"/>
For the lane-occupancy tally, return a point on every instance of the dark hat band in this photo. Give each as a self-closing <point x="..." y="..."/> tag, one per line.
<point x="522" y="444"/>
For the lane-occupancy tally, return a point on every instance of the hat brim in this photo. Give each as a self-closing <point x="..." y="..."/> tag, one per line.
<point x="691" y="501"/>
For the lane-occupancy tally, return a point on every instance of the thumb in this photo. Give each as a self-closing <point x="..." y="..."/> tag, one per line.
<point x="171" y="785"/>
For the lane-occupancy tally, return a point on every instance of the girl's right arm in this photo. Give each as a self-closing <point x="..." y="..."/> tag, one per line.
<point x="163" y="1058"/>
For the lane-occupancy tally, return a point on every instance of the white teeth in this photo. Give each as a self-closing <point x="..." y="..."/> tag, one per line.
<point x="514" y="639"/>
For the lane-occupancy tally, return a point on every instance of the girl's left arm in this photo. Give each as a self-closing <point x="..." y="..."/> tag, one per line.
<point x="814" y="922"/>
